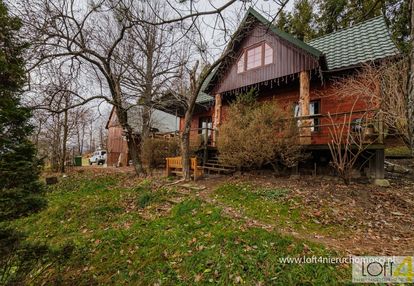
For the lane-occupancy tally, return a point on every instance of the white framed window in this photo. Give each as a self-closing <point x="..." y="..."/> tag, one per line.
<point x="314" y="109"/>
<point x="240" y="64"/>
<point x="254" y="57"/>
<point x="268" y="57"/>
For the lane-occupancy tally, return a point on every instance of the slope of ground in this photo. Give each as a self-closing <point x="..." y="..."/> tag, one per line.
<point x="228" y="230"/>
<point x="147" y="234"/>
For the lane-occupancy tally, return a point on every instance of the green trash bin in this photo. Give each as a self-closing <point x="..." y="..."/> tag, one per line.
<point x="78" y="161"/>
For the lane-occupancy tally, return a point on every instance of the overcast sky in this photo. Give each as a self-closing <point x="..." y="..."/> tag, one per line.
<point x="233" y="16"/>
<point x="215" y="38"/>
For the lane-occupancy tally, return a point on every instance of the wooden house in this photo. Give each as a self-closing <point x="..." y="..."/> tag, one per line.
<point x="117" y="147"/>
<point x="293" y="73"/>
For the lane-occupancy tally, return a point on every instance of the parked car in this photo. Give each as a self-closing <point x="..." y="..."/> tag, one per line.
<point x="98" y="157"/>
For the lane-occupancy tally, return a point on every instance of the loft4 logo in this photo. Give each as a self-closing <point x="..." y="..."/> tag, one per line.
<point x="382" y="269"/>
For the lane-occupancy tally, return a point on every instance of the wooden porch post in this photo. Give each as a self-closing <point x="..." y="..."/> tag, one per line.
<point x="379" y="164"/>
<point x="304" y="102"/>
<point x="217" y="117"/>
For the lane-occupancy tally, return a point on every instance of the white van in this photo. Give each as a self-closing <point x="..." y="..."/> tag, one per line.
<point x="98" y="157"/>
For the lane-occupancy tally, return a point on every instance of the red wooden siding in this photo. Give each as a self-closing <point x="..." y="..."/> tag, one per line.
<point x="117" y="143"/>
<point x="194" y="136"/>
<point x="287" y="60"/>
<point x="286" y="98"/>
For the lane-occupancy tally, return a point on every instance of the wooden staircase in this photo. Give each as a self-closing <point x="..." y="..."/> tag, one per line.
<point x="213" y="166"/>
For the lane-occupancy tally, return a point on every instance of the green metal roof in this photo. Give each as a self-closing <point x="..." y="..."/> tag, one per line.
<point x="310" y="49"/>
<point x="202" y="96"/>
<point x="367" y="41"/>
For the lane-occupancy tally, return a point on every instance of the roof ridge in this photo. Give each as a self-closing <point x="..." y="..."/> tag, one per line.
<point x="286" y="36"/>
<point x="347" y="28"/>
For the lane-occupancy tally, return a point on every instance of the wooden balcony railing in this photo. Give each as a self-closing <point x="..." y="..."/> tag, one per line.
<point x="369" y="122"/>
<point x="369" y="125"/>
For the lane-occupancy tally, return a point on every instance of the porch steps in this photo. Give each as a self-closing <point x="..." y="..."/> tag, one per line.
<point x="213" y="166"/>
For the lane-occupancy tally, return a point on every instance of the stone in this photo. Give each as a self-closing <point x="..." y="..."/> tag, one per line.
<point x="395" y="168"/>
<point x="382" y="183"/>
<point x="389" y="167"/>
<point x="51" y="180"/>
<point x="400" y="169"/>
<point x="294" y="177"/>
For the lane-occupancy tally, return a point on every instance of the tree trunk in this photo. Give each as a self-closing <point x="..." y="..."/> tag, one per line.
<point x="101" y="141"/>
<point x="78" y="138"/>
<point x="131" y="140"/>
<point x="146" y="124"/>
<point x="410" y="87"/>
<point x="185" y="154"/>
<point x="64" y="139"/>
<point x="148" y="90"/>
<point x="82" y="139"/>
<point x="55" y="160"/>
<point x="91" y="137"/>
<point x="185" y="140"/>
<point x="185" y="137"/>
<point x="134" y="153"/>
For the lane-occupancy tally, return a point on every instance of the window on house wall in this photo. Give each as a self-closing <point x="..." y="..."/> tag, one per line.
<point x="240" y="64"/>
<point x="314" y="109"/>
<point x="268" y="58"/>
<point x="205" y="125"/>
<point x="255" y="57"/>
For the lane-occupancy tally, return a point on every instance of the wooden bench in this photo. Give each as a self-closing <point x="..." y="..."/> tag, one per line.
<point x="174" y="166"/>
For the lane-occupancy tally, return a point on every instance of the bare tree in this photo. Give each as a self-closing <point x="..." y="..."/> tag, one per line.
<point x="82" y="119"/>
<point x="89" y="37"/>
<point x="410" y="82"/>
<point x="352" y="133"/>
<point x="348" y="143"/>
<point x="157" y="53"/>
<point x="57" y="130"/>
<point x="386" y="85"/>
<point x="196" y="81"/>
<point x="94" y="37"/>
<point x="393" y="79"/>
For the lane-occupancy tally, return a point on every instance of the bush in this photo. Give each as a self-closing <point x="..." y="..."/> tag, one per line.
<point x="257" y="134"/>
<point x="155" y="150"/>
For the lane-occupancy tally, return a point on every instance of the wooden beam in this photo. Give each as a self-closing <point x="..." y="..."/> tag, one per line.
<point x="304" y="102"/>
<point x="379" y="164"/>
<point x="217" y="116"/>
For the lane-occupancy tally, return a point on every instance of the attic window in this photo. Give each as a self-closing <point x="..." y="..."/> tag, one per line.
<point x="240" y="64"/>
<point x="268" y="58"/>
<point x="254" y="57"/>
